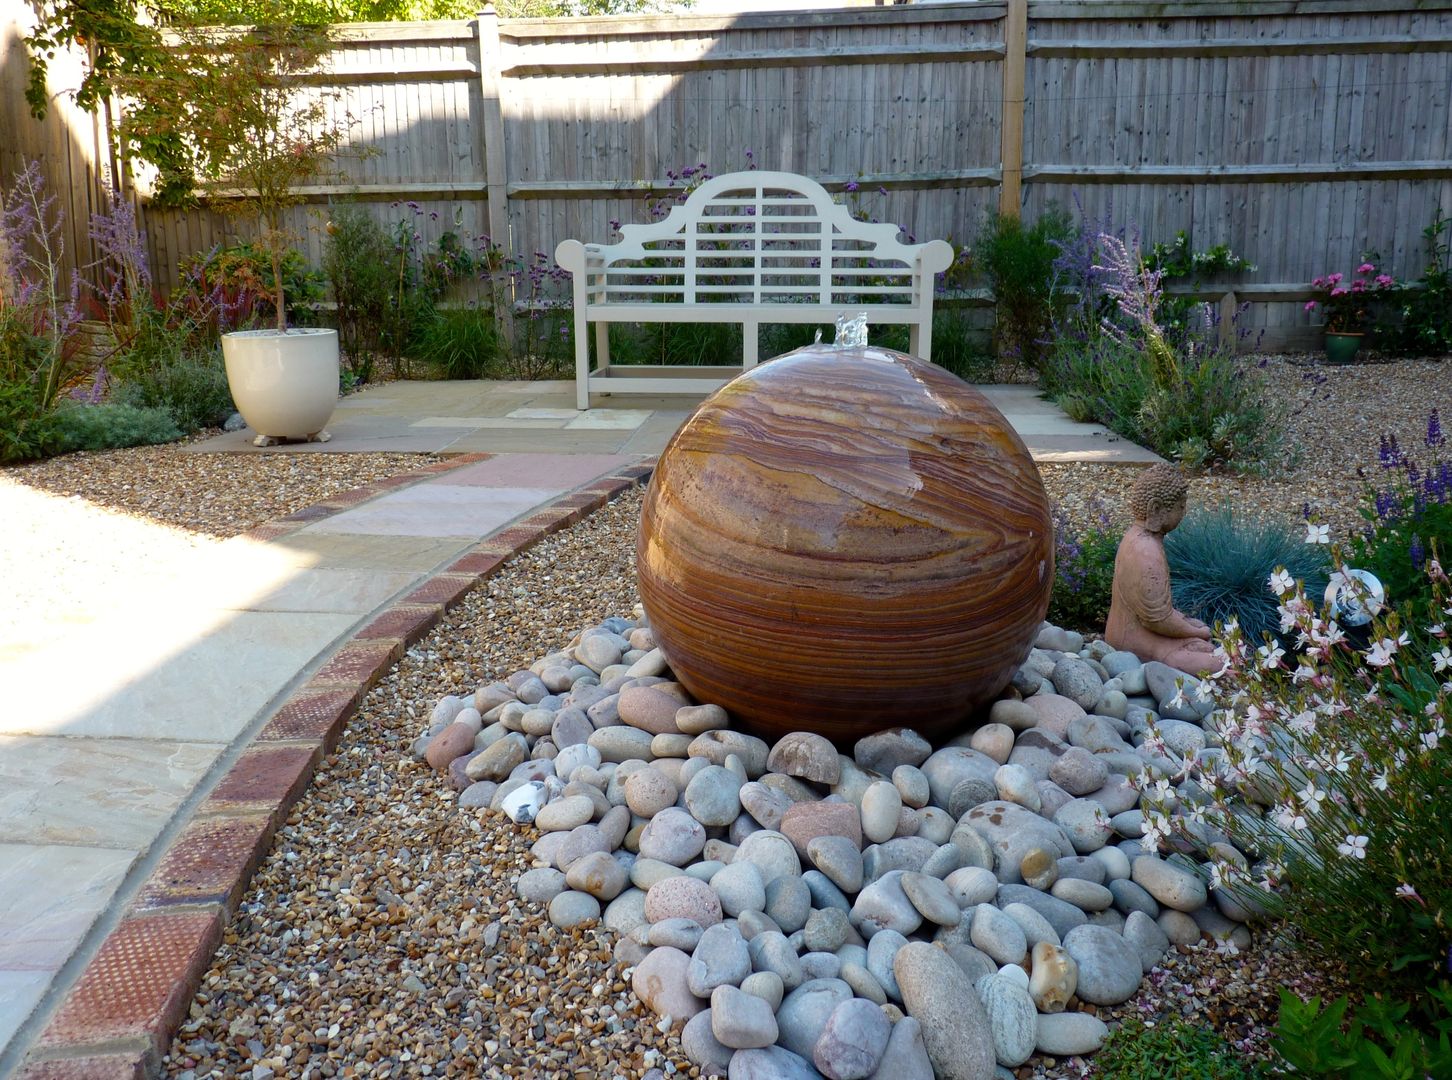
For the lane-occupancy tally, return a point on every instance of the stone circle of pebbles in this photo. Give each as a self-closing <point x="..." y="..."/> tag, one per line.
<point x="901" y="912"/>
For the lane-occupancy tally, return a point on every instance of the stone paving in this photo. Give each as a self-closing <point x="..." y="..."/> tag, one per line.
<point x="133" y="723"/>
<point x="492" y="417"/>
<point x="149" y="750"/>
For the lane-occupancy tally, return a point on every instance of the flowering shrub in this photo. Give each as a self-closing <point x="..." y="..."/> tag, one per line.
<point x="1422" y="325"/>
<point x="1409" y="517"/>
<point x="1083" y="571"/>
<point x="1325" y="801"/>
<point x="1348" y="304"/>
<point x="1184" y="395"/>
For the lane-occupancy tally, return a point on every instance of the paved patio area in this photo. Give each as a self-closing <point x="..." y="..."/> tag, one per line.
<point x="539" y="417"/>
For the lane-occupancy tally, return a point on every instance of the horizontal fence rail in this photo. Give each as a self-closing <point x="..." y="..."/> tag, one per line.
<point x="1301" y="133"/>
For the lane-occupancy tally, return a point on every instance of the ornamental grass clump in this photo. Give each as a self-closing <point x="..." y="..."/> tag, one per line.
<point x="1219" y="564"/>
<point x="1325" y="802"/>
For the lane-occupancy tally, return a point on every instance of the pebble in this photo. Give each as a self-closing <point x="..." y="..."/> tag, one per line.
<point x="1146" y="938"/>
<point x="788" y="902"/>
<point x="621" y="743"/>
<point x="541" y="885"/>
<point x="1035" y="927"/>
<point x="804" y="1013"/>
<point x="1054" y="977"/>
<point x="881" y="805"/>
<point x="524" y="803"/>
<point x="1109" y="967"/>
<point x="1069" y="1034"/>
<point x="826" y="930"/>
<point x="766" y="985"/>
<point x="839" y="859"/>
<point x="683" y="897"/>
<point x="712" y="797"/>
<point x="884" y="751"/>
<point x="955" y="1026"/>
<point x="932" y="898"/>
<point x="883" y="905"/>
<point x="1085" y="895"/>
<point x="649" y="791"/>
<point x="803" y="822"/>
<point x="702" y="1047"/>
<point x="852" y="1041"/>
<point x="660" y="981"/>
<point x="806" y="755"/>
<point x="699" y="719"/>
<point x="1012" y="1018"/>
<point x="772" y="853"/>
<point x="1171" y="885"/>
<point x="683" y="934"/>
<point x="765" y="804"/>
<point x="672" y="836"/>
<point x="562" y="815"/>
<point x="719" y="959"/>
<point x="740" y="888"/>
<point x="906" y="1056"/>
<point x="998" y="935"/>
<point x="571" y="908"/>
<point x="598" y="874"/>
<point x="647" y="708"/>
<point x="1078" y="771"/>
<point x="881" y="952"/>
<point x="1011" y="831"/>
<point x="771" y="1063"/>
<point x="971" y="886"/>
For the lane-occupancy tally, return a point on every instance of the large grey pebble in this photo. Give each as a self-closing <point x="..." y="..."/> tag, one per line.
<point x="839" y="858"/>
<point x="598" y="874"/>
<point x="939" y="996"/>
<point x="788" y="902"/>
<point x="770" y="951"/>
<point x="881" y="952"/>
<point x="660" y="981"/>
<point x="932" y="898"/>
<point x="1035" y="927"/>
<point x="884" y="751"/>
<point x="772" y="853"/>
<point x="806" y="755"/>
<point x="804" y="1012"/>
<point x="719" y="959"/>
<point x="771" y="1063"/>
<point x="971" y="886"/>
<point x="626" y="912"/>
<point x="906" y="1057"/>
<point x="826" y="930"/>
<point x="951" y="765"/>
<point x="1011" y="831"/>
<point x="1012" y="1018"/>
<point x="712" y="796"/>
<point x="541" y="885"/>
<point x="672" y="836"/>
<point x="998" y="935"/>
<point x="702" y="1046"/>
<point x="716" y="746"/>
<point x="767" y="805"/>
<point x="1172" y="885"/>
<point x="571" y="908"/>
<point x="740" y="888"/>
<point x="683" y="934"/>
<point x="1147" y="939"/>
<point x="884" y="905"/>
<point x="1070" y="1034"/>
<point x="1109" y="967"/>
<point x="853" y="1041"/>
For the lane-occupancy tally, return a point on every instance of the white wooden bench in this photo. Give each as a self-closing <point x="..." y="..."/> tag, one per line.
<point x="749" y="248"/>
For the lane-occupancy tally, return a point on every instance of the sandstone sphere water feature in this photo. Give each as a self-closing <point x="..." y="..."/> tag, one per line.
<point x="843" y="540"/>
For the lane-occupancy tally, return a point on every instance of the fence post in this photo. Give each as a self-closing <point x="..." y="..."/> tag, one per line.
<point x="1229" y="306"/>
<point x="496" y="174"/>
<point x="1015" y="62"/>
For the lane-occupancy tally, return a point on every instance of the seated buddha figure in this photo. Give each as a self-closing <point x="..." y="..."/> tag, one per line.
<point x="1142" y="615"/>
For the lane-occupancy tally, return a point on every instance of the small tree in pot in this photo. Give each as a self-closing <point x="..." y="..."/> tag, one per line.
<point x="255" y="129"/>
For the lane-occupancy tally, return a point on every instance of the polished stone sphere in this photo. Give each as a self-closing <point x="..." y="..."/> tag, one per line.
<point x="844" y="540"/>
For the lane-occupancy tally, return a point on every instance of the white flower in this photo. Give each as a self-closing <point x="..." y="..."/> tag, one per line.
<point x="1431" y="738"/>
<point x="1381" y="781"/>
<point x="1341" y="762"/>
<point x="1270" y="656"/>
<point x="1406" y="892"/>
<point x="1311" y="797"/>
<point x="1318" y="534"/>
<point x="1281" y="582"/>
<point x="1353" y="848"/>
<point x="1442" y="660"/>
<point x="1304" y="723"/>
<point x="1381" y="653"/>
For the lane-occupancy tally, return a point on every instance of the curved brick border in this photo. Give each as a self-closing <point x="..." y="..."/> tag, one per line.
<point x="119" y="1018"/>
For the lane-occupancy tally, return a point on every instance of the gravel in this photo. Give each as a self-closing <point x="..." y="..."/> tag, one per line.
<point x="217" y="495"/>
<point x="1334" y="416"/>
<point x="377" y="878"/>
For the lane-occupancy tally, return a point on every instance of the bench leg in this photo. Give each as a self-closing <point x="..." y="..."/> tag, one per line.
<point x="919" y="346"/>
<point x="602" y="348"/>
<point x="749" y="345"/>
<point x="582" y="362"/>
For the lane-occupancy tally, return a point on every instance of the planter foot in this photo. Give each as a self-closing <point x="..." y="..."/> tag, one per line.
<point x="319" y="436"/>
<point x="266" y="440"/>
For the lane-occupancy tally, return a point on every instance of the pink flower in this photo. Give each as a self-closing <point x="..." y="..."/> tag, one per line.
<point x="1332" y="279"/>
<point x="1366" y="268"/>
<point x="1317" y="283"/>
<point x="1384" y="280"/>
<point x="1358" y="286"/>
<point x="1310" y="305"/>
<point x="1338" y="291"/>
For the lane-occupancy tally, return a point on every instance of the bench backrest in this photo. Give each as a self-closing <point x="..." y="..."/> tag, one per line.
<point x="761" y="238"/>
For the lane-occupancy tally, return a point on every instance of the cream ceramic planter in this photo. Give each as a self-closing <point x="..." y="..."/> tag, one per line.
<point x="285" y="384"/>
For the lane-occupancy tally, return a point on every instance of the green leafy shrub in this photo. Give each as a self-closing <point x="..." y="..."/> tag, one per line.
<point x="1018" y="261"/>
<point x="236" y="284"/>
<point x="459" y="343"/>
<point x="1408" y="516"/>
<point x="358" y="260"/>
<point x="191" y="388"/>
<point x="1180" y="261"/>
<point x="1174" y="1050"/>
<point x="1384" y="1039"/>
<point x="1422" y="323"/>
<point x="1083" y="572"/>
<point x="1220" y="563"/>
<point x="110" y="426"/>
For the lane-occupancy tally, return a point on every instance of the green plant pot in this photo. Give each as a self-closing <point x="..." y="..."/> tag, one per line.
<point x="1341" y="348"/>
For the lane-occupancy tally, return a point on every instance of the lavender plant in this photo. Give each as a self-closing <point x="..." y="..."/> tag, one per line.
<point x="1083" y="570"/>
<point x="1408" y="515"/>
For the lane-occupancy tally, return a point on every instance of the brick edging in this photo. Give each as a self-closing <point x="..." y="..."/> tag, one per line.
<point x="118" y="1020"/>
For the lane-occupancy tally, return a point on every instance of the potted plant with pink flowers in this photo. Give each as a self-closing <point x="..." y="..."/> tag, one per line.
<point x="1348" y="304"/>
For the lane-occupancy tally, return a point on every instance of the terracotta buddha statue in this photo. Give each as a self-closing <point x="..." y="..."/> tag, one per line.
<point x="1142" y="615"/>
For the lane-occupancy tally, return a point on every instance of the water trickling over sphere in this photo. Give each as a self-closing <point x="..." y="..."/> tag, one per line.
<point x="844" y="540"/>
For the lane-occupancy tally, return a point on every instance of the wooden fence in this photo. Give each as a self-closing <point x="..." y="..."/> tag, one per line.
<point x="1299" y="132"/>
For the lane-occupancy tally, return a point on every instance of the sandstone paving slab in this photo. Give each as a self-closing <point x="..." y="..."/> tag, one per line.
<point x="98" y="793"/>
<point x="438" y="510"/>
<point x="20" y="992"/>
<point x="370" y="551"/>
<point x="167" y="673"/>
<point x="554" y="473"/>
<point x="40" y="927"/>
